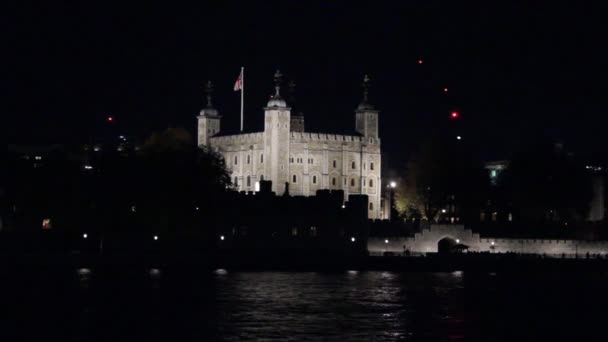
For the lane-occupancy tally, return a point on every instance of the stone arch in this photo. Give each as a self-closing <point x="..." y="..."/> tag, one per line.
<point x="446" y="245"/>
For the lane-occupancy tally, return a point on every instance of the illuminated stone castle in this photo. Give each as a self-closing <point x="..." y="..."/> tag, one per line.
<point x="296" y="161"/>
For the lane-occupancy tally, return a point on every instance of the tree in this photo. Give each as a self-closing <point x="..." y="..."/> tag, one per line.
<point x="441" y="175"/>
<point x="175" y="177"/>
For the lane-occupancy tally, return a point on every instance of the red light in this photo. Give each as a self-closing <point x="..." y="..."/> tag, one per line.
<point x="110" y="119"/>
<point x="445" y="90"/>
<point x="420" y="61"/>
<point x="454" y="115"/>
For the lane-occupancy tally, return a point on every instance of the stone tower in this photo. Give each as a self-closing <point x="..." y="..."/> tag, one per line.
<point x="277" y="121"/>
<point x="208" y="119"/>
<point x="366" y="116"/>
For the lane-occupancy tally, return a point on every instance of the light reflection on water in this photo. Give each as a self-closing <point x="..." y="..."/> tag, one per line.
<point x="331" y="306"/>
<point x="191" y="304"/>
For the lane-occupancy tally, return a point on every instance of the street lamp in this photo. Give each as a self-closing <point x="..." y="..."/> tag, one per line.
<point x="222" y="237"/>
<point x="352" y="239"/>
<point x="155" y="237"/>
<point x="84" y="236"/>
<point x="393" y="184"/>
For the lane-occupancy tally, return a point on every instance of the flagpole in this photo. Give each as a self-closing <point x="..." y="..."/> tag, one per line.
<point x="242" y="94"/>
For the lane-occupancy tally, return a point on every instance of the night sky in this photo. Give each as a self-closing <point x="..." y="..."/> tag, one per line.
<point x="512" y="71"/>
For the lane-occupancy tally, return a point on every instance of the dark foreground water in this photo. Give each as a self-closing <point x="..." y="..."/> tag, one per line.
<point x="199" y="305"/>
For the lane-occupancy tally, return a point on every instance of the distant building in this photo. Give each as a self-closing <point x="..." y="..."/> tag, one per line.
<point x="298" y="162"/>
<point x="495" y="168"/>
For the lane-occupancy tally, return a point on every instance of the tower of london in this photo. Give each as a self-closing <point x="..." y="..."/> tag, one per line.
<point x="298" y="162"/>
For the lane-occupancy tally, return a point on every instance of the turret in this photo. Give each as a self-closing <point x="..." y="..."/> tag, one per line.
<point x="366" y="115"/>
<point x="277" y="120"/>
<point x="208" y="119"/>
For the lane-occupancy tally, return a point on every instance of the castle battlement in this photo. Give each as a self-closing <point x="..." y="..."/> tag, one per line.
<point x="244" y="138"/>
<point x="308" y="136"/>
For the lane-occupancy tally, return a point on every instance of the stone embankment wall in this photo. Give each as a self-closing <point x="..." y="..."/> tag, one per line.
<point x="427" y="241"/>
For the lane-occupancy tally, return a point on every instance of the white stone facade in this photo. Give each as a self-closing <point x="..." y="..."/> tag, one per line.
<point x="301" y="161"/>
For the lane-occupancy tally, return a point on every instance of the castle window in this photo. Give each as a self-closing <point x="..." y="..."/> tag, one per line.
<point x="291" y="160"/>
<point x="314" y="179"/>
<point x="261" y="177"/>
<point x="236" y="181"/>
<point x="294" y="179"/>
<point x="353" y="165"/>
<point x="371" y="166"/>
<point x="335" y="163"/>
<point x="371" y="183"/>
<point x="344" y="180"/>
<point x="248" y="159"/>
<point x="248" y="181"/>
<point x="236" y="160"/>
<point x="371" y="206"/>
<point x="352" y="182"/>
<point x="261" y="158"/>
<point x="364" y="166"/>
<point x="333" y="181"/>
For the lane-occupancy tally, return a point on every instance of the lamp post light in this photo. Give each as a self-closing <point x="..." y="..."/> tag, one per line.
<point x="155" y="237"/>
<point x="222" y="237"/>
<point x="85" y="235"/>
<point x="392" y="211"/>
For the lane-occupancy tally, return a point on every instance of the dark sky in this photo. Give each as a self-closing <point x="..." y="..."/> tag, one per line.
<point x="514" y="70"/>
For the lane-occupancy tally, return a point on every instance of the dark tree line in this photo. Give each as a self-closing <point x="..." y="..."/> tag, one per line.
<point x="167" y="185"/>
<point x="542" y="184"/>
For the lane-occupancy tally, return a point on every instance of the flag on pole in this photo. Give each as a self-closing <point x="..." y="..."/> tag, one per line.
<point x="238" y="85"/>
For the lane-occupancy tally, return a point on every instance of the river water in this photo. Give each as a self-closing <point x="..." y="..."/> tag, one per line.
<point x="200" y="305"/>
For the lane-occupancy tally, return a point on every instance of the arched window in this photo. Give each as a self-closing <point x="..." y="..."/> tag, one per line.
<point x="261" y="158"/>
<point x="333" y="181"/>
<point x="363" y="165"/>
<point x="236" y="160"/>
<point x="294" y="179"/>
<point x="353" y="165"/>
<point x="371" y="166"/>
<point x="371" y="206"/>
<point x="335" y="163"/>
<point x="236" y="181"/>
<point x="261" y="177"/>
<point x="371" y="183"/>
<point x="248" y="159"/>
<point x="352" y="182"/>
<point x="314" y="179"/>
<point x="248" y="181"/>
